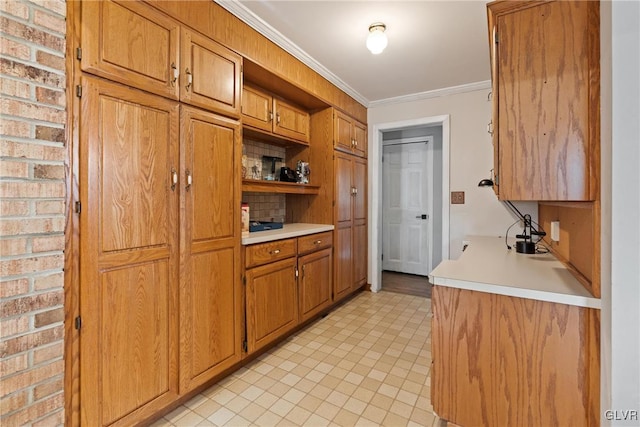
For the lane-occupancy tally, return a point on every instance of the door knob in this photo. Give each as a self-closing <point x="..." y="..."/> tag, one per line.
<point x="423" y="216"/>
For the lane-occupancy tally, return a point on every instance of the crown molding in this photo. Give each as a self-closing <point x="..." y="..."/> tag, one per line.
<point x="469" y="87"/>
<point x="258" y="24"/>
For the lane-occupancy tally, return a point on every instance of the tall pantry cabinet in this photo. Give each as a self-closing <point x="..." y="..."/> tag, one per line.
<point x="159" y="192"/>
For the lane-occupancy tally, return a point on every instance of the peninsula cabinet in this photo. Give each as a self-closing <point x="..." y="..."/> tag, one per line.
<point x="264" y="111"/>
<point x="133" y="43"/>
<point x="351" y="224"/>
<point x="506" y="361"/>
<point x="349" y="135"/>
<point x="545" y="60"/>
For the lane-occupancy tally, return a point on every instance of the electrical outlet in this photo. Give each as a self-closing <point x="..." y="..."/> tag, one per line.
<point x="457" y="197"/>
<point x="555" y="231"/>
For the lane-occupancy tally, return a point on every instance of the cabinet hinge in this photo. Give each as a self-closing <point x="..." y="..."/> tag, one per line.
<point x="381" y="256"/>
<point x="245" y="348"/>
<point x="78" y="53"/>
<point x="244" y="280"/>
<point x="78" y="322"/>
<point x="79" y="91"/>
<point x="78" y="207"/>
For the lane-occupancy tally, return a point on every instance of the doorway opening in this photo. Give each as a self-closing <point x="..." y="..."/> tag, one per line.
<point x="409" y="201"/>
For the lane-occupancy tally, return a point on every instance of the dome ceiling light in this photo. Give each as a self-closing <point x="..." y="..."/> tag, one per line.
<point x="377" y="39"/>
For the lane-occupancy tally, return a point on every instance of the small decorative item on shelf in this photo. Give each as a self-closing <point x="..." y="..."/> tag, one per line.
<point x="244" y="166"/>
<point x="255" y="171"/>
<point x="245" y="216"/>
<point x="303" y="172"/>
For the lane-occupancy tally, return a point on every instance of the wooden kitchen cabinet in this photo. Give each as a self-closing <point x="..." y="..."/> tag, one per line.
<point x="316" y="273"/>
<point x="128" y="271"/>
<point x="210" y="292"/>
<point x="545" y="60"/>
<point x="181" y="65"/>
<point x="349" y="135"/>
<point x="351" y="224"/>
<point x="271" y="302"/>
<point x="265" y="111"/>
<point x="501" y="360"/>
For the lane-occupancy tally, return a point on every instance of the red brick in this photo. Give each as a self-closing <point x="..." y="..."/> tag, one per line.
<point x="15" y="227"/>
<point x="56" y="6"/>
<point x="14" y="48"/>
<point x="30" y="189"/>
<point x="48" y="244"/>
<point x="31" y="265"/>
<point x="15" y="88"/>
<point x="14" y="401"/>
<point x="50" y="207"/>
<point x="33" y="74"/>
<point x="14" y="169"/>
<point x="49" y="317"/>
<point x="16" y="306"/>
<point x="55" y="419"/>
<point x="10" y="247"/>
<point x="14" y="364"/>
<point x="52" y="22"/>
<point x="30" y="377"/>
<point x="50" y="96"/>
<point x="15" y="326"/>
<point x="28" y="110"/>
<point x="17" y="9"/>
<point x="28" y="150"/>
<point x="48" y="388"/>
<point x="52" y="134"/>
<point x="50" y="352"/>
<point x="15" y="128"/>
<point x="25" y="32"/>
<point x="49" y="60"/>
<point x="12" y="288"/>
<point x="49" y="281"/>
<point x="29" y="341"/>
<point x="34" y="411"/>
<point x="48" y="171"/>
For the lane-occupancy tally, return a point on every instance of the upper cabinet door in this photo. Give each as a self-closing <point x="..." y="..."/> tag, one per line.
<point x="290" y="121"/>
<point x="359" y="139"/>
<point x="209" y="75"/>
<point x="256" y="108"/>
<point x="342" y="132"/>
<point x="547" y="69"/>
<point x="131" y="43"/>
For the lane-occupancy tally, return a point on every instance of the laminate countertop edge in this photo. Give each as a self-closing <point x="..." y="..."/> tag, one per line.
<point x="488" y="266"/>
<point x="286" y="232"/>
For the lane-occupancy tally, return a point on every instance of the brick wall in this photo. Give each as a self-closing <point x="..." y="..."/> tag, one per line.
<point x="32" y="192"/>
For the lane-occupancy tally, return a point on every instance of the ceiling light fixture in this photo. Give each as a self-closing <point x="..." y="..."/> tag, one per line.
<point x="377" y="40"/>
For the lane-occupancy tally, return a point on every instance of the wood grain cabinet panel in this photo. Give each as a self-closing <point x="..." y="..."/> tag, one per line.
<point x="314" y="242"/>
<point x="314" y="282"/>
<point x="129" y="244"/>
<point x="131" y="43"/>
<point x="264" y="253"/>
<point x="272" y="302"/>
<point x="349" y="135"/>
<point x="290" y="120"/>
<point x="545" y="59"/>
<point x="210" y="295"/>
<point x="500" y="360"/>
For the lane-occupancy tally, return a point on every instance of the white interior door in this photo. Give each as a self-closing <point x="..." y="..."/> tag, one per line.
<point x="407" y="210"/>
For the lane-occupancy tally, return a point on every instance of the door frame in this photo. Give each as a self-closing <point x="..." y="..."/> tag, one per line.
<point x="375" y="190"/>
<point x="428" y="140"/>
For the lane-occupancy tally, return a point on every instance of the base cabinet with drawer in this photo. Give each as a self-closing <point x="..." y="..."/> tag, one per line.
<point x="287" y="282"/>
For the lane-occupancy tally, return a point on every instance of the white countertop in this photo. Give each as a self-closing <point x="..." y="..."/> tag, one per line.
<point x="287" y="231"/>
<point x="488" y="266"/>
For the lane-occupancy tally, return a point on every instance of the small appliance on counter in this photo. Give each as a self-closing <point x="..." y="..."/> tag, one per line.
<point x="270" y="165"/>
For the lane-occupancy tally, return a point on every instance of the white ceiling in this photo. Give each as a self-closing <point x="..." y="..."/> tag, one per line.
<point x="433" y="45"/>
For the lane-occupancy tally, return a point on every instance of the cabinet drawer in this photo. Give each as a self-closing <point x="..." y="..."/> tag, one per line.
<point x="264" y="253"/>
<point x="314" y="242"/>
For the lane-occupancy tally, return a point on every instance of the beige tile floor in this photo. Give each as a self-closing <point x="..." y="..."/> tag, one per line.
<point x="365" y="364"/>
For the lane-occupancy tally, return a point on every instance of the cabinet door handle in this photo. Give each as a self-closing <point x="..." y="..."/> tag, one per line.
<point x="355" y="142"/>
<point x="270" y="116"/>
<point x="189" y="179"/>
<point x="175" y="73"/>
<point x="490" y="128"/>
<point x="189" y="79"/>
<point x="277" y="118"/>
<point x="174" y="179"/>
<point x="275" y="252"/>
<point x="317" y="242"/>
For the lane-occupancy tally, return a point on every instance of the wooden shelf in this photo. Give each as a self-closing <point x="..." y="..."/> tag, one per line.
<point x="260" y="135"/>
<point x="258" y="186"/>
